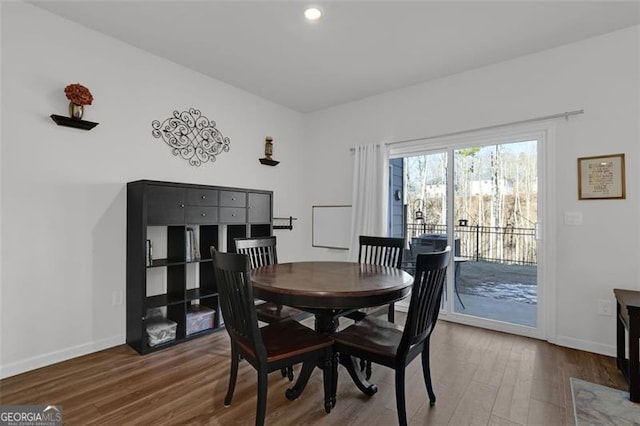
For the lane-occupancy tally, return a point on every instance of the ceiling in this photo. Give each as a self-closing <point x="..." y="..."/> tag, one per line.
<point x="358" y="49"/>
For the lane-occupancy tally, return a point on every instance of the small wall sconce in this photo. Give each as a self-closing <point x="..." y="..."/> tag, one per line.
<point x="268" y="152"/>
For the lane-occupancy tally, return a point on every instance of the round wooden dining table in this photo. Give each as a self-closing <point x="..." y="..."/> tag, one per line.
<point x="330" y="290"/>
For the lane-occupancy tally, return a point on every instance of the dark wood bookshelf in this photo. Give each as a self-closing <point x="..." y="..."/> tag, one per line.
<point x="215" y="214"/>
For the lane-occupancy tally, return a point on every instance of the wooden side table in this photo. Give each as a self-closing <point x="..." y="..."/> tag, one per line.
<point x="628" y="316"/>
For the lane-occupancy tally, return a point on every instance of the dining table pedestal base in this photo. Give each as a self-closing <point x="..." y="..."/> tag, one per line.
<point x="330" y="290"/>
<point x="357" y="375"/>
<point x="329" y="366"/>
<point x="327" y="321"/>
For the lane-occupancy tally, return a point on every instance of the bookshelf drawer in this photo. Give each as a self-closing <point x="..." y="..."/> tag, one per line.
<point x="165" y="205"/>
<point x="201" y="215"/>
<point x="202" y="197"/>
<point x="233" y="215"/>
<point x="233" y="199"/>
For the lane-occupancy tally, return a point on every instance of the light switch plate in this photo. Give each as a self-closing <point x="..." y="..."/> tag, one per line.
<point x="573" y="218"/>
<point x="604" y="307"/>
<point x="116" y="298"/>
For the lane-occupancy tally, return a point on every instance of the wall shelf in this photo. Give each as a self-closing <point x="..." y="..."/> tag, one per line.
<point x="269" y="162"/>
<point x="73" y="122"/>
<point x="278" y="222"/>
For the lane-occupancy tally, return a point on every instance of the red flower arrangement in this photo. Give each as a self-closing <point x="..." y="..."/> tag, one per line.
<point x="78" y="94"/>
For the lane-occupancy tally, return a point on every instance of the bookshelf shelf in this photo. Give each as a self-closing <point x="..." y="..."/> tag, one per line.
<point x="159" y="263"/>
<point x="163" y="300"/>
<point x="197" y="293"/>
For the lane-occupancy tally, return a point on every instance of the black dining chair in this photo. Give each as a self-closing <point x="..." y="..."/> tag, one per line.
<point x="381" y="251"/>
<point x="393" y="346"/>
<point x="262" y="252"/>
<point x="271" y="347"/>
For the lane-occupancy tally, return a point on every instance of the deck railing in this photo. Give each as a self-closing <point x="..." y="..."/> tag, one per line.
<point x="487" y="243"/>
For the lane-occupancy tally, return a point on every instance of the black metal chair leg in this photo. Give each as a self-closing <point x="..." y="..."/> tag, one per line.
<point x="327" y="371"/>
<point x="368" y="372"/>
<point x="287" y="372"/>
<point x="426" y="371"/>
<point x="290" y="373"/>
<point x="400" y="397"/>
<point x="391" y="315"/>
<point x="261" y="408"/>
<point x="335" y="360"/>
<point x="365" y="367"/>
<point x="235" y="358"/>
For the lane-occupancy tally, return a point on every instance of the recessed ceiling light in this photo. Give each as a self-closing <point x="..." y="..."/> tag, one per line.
<point x="313" y="14"/>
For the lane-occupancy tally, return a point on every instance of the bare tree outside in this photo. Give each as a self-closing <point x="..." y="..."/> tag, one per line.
<point x="495" y="189"/>
<point x="495" y="193"/>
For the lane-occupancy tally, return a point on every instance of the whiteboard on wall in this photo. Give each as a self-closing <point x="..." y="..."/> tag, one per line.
<point x="331" y="226"/>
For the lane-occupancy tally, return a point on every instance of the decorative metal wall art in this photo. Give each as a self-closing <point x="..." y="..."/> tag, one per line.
<point x="192" y="136"/>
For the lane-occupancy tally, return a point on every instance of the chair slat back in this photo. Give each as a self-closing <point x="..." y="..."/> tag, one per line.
<point x="261" y="250"/>
<point x="426" y="293"/>
<point x="381" y="251"/>
<point x="233" y="277"/>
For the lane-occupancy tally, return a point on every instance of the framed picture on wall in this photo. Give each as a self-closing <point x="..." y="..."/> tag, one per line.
<point x="601" y="177"/>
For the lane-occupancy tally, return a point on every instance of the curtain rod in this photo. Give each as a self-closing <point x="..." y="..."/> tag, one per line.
<point x="566" y="116"/>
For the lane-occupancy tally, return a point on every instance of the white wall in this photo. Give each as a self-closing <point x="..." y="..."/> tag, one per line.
<point x="599" y="75"/>
<point x="63" y="189"/>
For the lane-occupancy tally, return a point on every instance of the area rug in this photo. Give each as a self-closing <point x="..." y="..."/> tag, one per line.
<point x="600" y="405"/>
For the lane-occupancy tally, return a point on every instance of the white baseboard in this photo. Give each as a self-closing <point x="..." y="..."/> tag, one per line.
<point x="586" y="345"/>
<point x="568" y="342"/>
<point x="8" y="370"/>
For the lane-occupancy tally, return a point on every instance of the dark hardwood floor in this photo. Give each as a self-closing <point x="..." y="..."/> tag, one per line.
<point x="480" y="377"/>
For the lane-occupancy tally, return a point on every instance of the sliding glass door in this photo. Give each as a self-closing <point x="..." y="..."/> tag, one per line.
<point x="479" y="196"/>
<point x="495" y="198"/>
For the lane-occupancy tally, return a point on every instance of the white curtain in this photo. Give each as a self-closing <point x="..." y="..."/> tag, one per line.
<point x="369" y="195"/>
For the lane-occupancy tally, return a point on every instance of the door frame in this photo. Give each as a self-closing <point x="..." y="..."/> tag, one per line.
<point x="544" y="133"/>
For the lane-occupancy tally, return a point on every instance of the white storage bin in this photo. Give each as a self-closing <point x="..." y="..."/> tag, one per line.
<point x="160" y="330"/>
